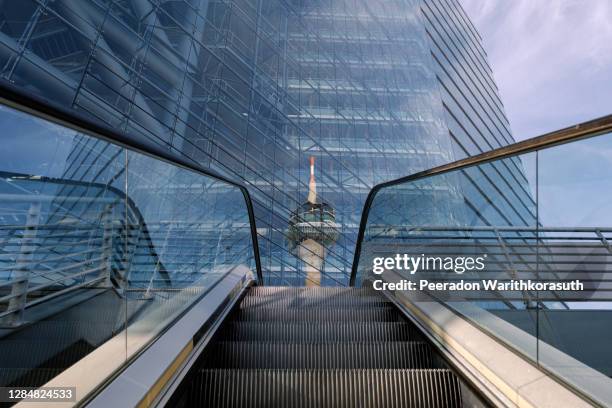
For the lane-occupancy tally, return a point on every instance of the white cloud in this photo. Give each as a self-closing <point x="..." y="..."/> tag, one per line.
<point x="552" y="60"/>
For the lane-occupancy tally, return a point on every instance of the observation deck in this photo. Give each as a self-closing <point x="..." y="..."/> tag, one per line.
<point x="313" y="221"/>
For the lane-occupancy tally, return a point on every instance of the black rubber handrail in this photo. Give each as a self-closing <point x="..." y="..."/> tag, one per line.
<point x="51" y="111"/>
<point x="580" y="131"/>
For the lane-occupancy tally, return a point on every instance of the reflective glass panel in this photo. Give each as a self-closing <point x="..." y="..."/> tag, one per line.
<point x="532" y="231"/>
<point x="101" y="249"/>
<point x="574" y="203"/>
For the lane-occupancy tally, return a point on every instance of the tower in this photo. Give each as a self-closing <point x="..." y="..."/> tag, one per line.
<point x="312" y="229"/>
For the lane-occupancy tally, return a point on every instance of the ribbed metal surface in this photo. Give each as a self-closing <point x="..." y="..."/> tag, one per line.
<point x="320" y="314"/>
<point x="320" y="332"/>
<point x="318" y="347"/>
<point x="330" y="355"/>
<point x="326" y="388"/>
<point x="306" y="297"/>
<point x="311" y="292"/>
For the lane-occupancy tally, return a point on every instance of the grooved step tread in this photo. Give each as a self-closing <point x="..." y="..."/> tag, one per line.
<point x="319" y="347"/>
<point x="316" y="356"/>
<point x="326" y="388"/>
<point x="315" y="301"/>
<point x="311" y="297"/>
<point x="320" y="332"/>
<point x="285" y="291"/>
<point x="319" y="314"/>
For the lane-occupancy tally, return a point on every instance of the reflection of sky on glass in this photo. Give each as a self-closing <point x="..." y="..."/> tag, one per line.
<point x="575" y="186"/>
<point x="32" y="146"/>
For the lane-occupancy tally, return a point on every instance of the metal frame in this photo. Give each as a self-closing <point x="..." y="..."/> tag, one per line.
<point x="583" y="130"/>
<point x="15" y="97"/>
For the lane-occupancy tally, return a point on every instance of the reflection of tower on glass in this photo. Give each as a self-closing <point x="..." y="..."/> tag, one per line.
<point x="312" y="228"/>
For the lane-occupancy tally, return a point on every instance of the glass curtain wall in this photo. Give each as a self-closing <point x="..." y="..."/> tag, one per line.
<point x="373" y="89"/>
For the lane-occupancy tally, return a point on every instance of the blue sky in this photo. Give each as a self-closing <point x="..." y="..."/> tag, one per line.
<point x="552" y="59"/>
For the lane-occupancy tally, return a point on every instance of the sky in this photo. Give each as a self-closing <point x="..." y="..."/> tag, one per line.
<point x="551" y="59"/>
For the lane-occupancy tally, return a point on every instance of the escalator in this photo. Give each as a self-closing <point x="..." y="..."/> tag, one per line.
<point x="319" y="347"/>
<point x="135" y="289"/>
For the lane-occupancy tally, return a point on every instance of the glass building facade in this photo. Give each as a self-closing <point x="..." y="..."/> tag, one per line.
<point x="373" y="89"/>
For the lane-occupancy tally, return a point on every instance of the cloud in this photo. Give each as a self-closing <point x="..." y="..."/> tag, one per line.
<point x="552" y="60"/>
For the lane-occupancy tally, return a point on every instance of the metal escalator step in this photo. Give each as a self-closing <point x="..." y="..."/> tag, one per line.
<point x="326" y="332"/>
<point x="312" y="356"/>
<point x="304" y="292"/>
<point x="307" y="297"/>
<point x="319" y="347"/>
<point x="325" y="388"/>
<point x="319" y="314"/>
<point x="283" y="291"/>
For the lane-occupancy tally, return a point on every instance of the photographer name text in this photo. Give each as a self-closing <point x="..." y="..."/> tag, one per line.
<point x="484" y="284"/>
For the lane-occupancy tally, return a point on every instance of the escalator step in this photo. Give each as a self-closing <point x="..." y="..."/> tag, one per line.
<point x="326" y="332"/>
<point x="325" y="388"/>
<point x="319" y="347"/>
<point x="313" y="301"/>
<point x="285" y="291"/>
<point x="312" y="356"/>
<point x="323" y="314"/>
<point x="309" y="297"/>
